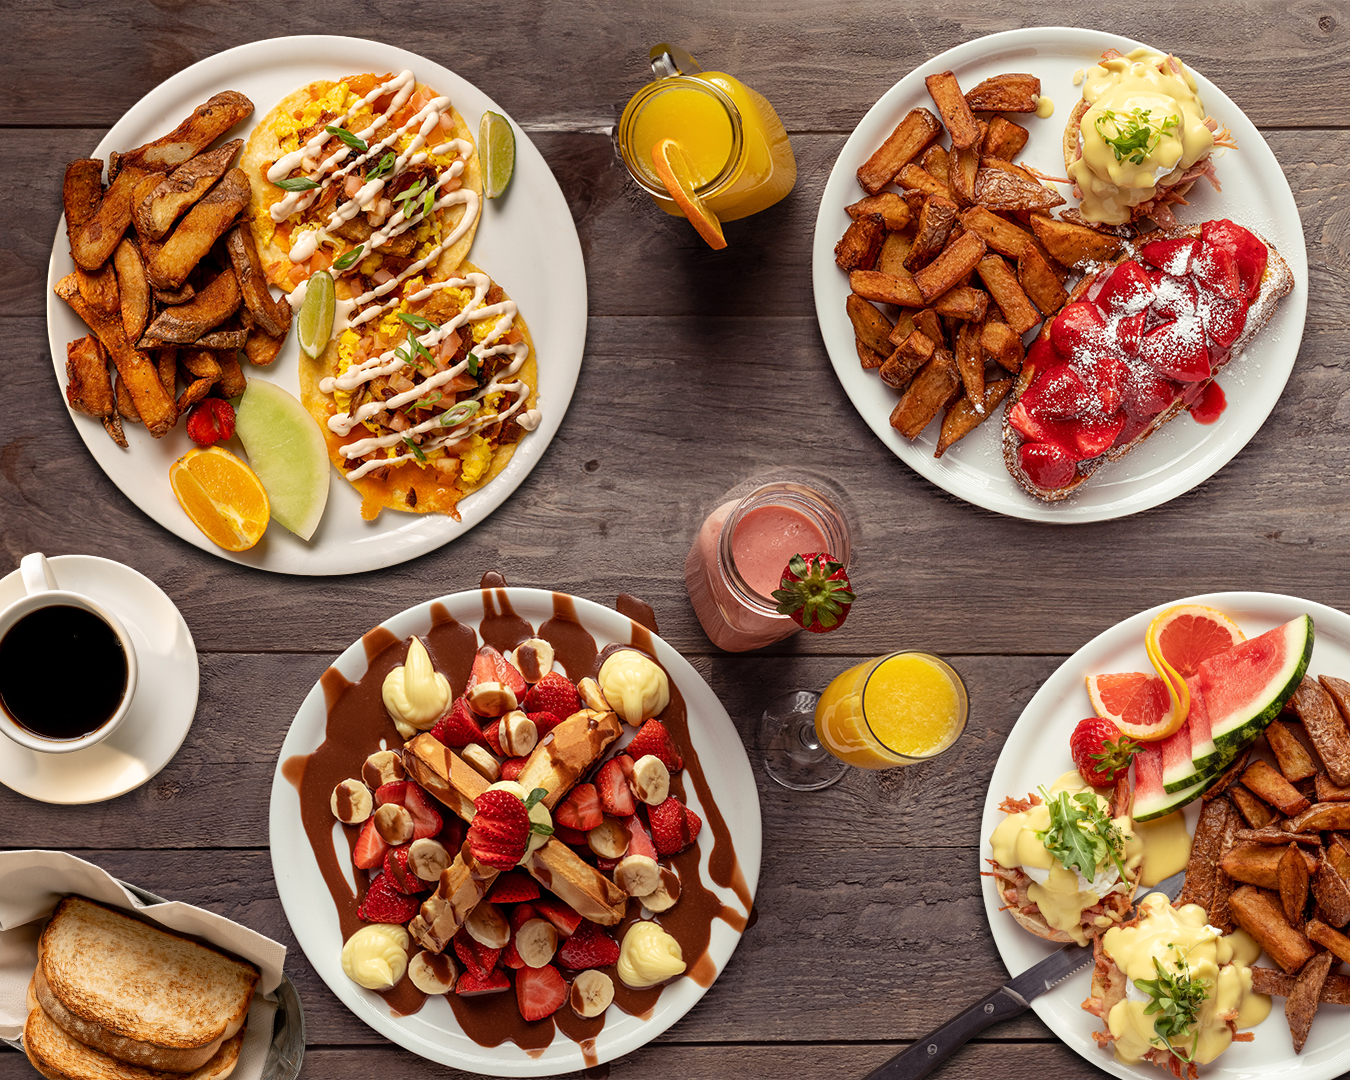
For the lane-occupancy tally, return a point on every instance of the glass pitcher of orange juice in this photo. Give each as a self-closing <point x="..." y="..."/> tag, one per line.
<point x="738" y="154"/>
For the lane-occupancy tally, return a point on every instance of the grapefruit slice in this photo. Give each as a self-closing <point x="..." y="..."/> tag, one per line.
<point x="1183" y="637"/>
<point x="672" y="166"/>
<point x="1246" y="686"/>
<point x="1140" y="705"/>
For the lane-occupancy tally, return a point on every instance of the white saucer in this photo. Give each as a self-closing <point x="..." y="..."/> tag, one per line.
<point x="161" y="713"/>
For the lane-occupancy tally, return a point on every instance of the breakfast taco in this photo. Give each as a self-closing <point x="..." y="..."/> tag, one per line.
<point x="423" y="397"/>
<point x="372" y="177"/>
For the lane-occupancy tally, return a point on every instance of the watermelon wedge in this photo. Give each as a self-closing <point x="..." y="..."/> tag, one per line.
<point x="1245" y="687"/>
<point x="1151" y="798"/>
<point x="1204" y="754"/>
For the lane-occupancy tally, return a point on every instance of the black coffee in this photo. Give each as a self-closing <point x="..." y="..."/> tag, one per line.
<point x="62" y="672"/>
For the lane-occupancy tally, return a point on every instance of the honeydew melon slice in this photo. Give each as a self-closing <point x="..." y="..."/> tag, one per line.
<point x="288" y="452"/>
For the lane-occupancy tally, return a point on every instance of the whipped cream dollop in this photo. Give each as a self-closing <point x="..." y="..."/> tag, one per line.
<point x="415" y="693"/>
<point x="648" y="956"/>
<point x="376" y="956"/>
<point x="634" y="685"/>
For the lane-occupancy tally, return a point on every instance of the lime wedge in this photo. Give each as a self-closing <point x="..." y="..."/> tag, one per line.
<point x="288" y="452"/>
<point x="315" y="324"/>
<point x="497" y="151"/>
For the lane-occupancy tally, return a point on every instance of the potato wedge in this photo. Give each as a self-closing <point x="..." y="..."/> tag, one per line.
<point x="233" y="382"/>
<point x="950" y="268"/>
<point x="1332" y="893"/>
<point x="1256" y="864"/>
<point x="1327" y="791"/>
<point x="1301" y="1005"/>
<point x="955" y="112"/>
<point x="133" y="287"/>
<point x="861" y="243"/>
<point x="169" y="199"/>
<point x="99" y="289"/>
<point x="965" y="169"/>
<point x="1293" y="757"/>
<point x="936" y="162"/>
<point x="962" y="418"/>
<point x="904" y="326"/>
<point x="894" y="210"/>
<point x="1266" y="783"/>
<point x="963" y="302"/>
<point x="93" y="243"/>
<point x="261" y="349"/>
<point x="1257" y="814"/>
<point x="999" y="234"/>
<point x="166" y="363"/>
<point x="200" y="364"/>
<point x="1003" y="345"/>
<point x="1009" y="92"/>
<point x="195" y="391"/>
<point x="895" y="250"/>
<point x="871" y="326"/>
<point x="1074" y="245"/>
<point x="933" y="388"/>
<point x="917" y="178"/>
<point x="1257" y="912"/>
<point x="224" y="338"/>
<point x="81" y="192"/>
<point x="207" y="123"/>
<point x="1273" y="834"/>
<point x="1292" y="876"/>
<point x="1005" y="139"/>
<point x="886" y="288"/>
<point x="909" y="357"/>
<point x="909" y="139"/>
<point x="186" y="323"/>
<point x="88" y="384"/>
<point x="868" y="357"/>
<point x="126" y="407"/>
<point x="198" y="230"/>
<point x="935" y="224"/>
<point x="1320" y="817"/>
<point x="1327" y="728"/>
<point x="1230" y="776"/>
<point x="1331" y="940"/>
<point x="1003" y="286"/>
<point x="1335" y="991"/>
<point x="1039" y="282"/>
<point x="1001" y="185"/>
<point x="970" y="364"/>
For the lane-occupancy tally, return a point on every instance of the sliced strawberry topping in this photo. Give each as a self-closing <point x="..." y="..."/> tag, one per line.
<point x="490" y="666"/>
<point x="1129" y="331"/>
<point x="1078" y="330"/>
<point x="513" y="767"/>
<point x="559" y="914"/>
<point x="491" y="735"/>
<point x="1215" y="267"/>
<point x="653" y="738"/>
<point x="1177" y="350"/>
<point x="520" y="915"/>
<point x="1224" y="320"/>
<point x="1058" y="393"/>
<point x="400" y="876"/>
<point x="1171" y="256"/>
<point x="1147" y="393"/>
<point x="459" y="727"/>
<point x="1034" y="429"/>
<point x="384" y="903"/>
<point x="370" y="847"/>
<point x="500" y="830"/>
<point x="392" y="792"/>
<point x="639" y="843"/>
<point x="540" y="992"/>
<point x="426" y="819"/>
<point x="674" y="825"/>
<point x="1248" y="253"/>
<point x="553" y="693"/>
<point x="1097" y="436"/>
<point x="581" y="809"/>
<point x="471" y="984"/>
<point x="1047" y="466"/>
<point x="588" y="947"/>
<point x="565" y="834"/>
<point x="545" y="721"/>
<point x="616" y="797"/>
<point x="1125" y="290"/>
<point x="475" y="956"/>
<point x="513" y="887"/>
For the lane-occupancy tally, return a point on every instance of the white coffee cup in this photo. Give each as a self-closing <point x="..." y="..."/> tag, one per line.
<point x="43" y="592"/>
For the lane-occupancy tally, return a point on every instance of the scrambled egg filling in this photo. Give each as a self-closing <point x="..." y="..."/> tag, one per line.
<point x="476" y="458"/>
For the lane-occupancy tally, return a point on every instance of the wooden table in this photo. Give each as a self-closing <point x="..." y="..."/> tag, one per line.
<point x="701" y="368"/>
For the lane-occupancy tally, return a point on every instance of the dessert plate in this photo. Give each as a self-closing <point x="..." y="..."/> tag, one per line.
<point x="161" y="712"/>
<point x="1183" y="453"/>
<point x="1037" y="751"/>
<point x="526" y="240"/>
<point x="434" y="1032"/>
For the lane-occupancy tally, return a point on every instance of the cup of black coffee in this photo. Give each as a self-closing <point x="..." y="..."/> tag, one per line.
<point x="67" y="666"/>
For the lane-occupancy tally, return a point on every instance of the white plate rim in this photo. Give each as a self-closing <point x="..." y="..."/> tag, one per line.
<point x="1050" y="716"/>
<point x="1143" y="482"/>
<point x="299" y="882"/>
<point x="553" y="304"/>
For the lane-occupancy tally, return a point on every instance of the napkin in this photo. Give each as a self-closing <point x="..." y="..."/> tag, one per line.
<point x="33" y="883"/>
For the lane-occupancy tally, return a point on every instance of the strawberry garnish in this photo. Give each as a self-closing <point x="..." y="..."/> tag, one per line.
<point x="588" y="947"/>
<point x="568" y="835"/>
<point x="384" y="903"/>
<point x="490" y="666"/>
<point x="545" y="721"/>
<point x="1101" y="751"/>
<point x="458" y="727"/>
<point x="513" y="887"/>
<point x="540" y="992"/>
<point x="674" y="826"/>
<point x="399" y="875"/>
<point x="580" y="810"/>
<point x="471" y="984"/>
<point x="559" y="914"/>
<point x="370" y="847"/>
<point x="653" y="738"/>
<point x="616" y="797"/>
<point x="815" y="592"/>
<point x="500" y="830"/>
<point x="512" y="767"/>
<point x="476" y="957"/>
<point x="553" y="693"/>
<point x="426" y="819"/>
<point x="491" y="737"/>
<point x="639" y="843"/>
<point x="210" y="421"/>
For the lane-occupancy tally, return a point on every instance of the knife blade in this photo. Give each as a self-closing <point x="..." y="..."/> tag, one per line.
<point x="1011" y="999"/>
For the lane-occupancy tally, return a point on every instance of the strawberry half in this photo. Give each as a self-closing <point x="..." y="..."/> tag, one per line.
<point x="512" y="767"/>
<point x="588" y="947"/>
<point x="210" y="421"/>
<point x="476" y="957"/>
<point x="459" y="727"/>
<point x="540" y="992"/>
<point x="513" y="887"/>
<point x="545" y="721"/>
<point x="580" y="810"/>
<point x="559" y="914"/>
<point x="674" y="826"/>
<point x="427" y="820"/>
<point x="553" y="693"/>
<point x="384" y="903"/>
<point x="370" y="847"/>
<point x="639" y="843"/>
<point x="500" y="830"/>
<point x="815" y="591"/>
<point x="491" y="666"/>
<point x="616" y="797"/>
<point x="474" y="985"/>
<point x="402" y="878"/>
<point x="653" y="738"/>
<point x="1101" y="751"/>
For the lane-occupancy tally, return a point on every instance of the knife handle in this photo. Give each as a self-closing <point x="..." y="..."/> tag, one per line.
<point x="937" y="1046"/>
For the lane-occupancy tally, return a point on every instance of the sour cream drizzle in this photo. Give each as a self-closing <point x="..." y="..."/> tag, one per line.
<point x="387" y="363"/>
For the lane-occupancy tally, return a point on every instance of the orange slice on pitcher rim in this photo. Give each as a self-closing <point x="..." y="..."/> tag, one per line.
<point x="672" y="166"/>
<point x="223" y="497"/>
<point x="1140" y="705"/>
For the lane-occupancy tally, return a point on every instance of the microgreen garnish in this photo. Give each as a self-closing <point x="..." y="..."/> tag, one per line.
<point x="344" y="261"/>
<point x="359" y="145"/>
<point x="1176" y="999"/>
<point x="459" y="413"/>
<point x="1081" y="836"/>
<point x="428" y="401"/>
<point x="297" y="183"/>
<point x="473" y="365"/>
<point x="417" y="321"/>
<point x="1137" y="134"/>
<point x="417" y="450"/>
<point x="386" y="164"/>
<point x="534" y="797"/>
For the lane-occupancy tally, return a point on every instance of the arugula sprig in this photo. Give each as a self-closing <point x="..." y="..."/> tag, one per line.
<point x="1081" y="836"/>
<point x="1176" y="999"/>
<point x="1137" y="134"/>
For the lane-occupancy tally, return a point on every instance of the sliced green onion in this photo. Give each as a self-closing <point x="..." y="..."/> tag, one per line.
<point x="417" y="450"/>
<point x="428" y="401"/>
<point x="385" y="165"/>
<point x="348" y="138"/>
<point x="473" y="365"/>
<point x="417" y="321"/>
<point x="456" y="415"/>
<point x="429" y="203"/>
<point x="296" y="183"/>
<point x="344" y="261"/>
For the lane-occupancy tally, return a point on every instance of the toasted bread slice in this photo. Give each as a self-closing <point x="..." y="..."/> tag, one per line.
<point x="1276" y="283"/>
<point x="138" y="993"/>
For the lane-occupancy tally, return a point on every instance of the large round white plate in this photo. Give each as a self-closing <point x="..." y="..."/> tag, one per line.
<point x="526" y="240"/>
<point x="161" y="712"/>
<point x="1037" y="751"/>
<point x="434" y="1033"/>
<point x="1180" y="455"/>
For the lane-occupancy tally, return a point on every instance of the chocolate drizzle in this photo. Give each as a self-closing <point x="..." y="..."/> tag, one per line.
<point x="358" y="724"/>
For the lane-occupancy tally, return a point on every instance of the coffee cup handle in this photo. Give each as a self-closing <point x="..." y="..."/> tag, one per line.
<point x="36" y="573"/>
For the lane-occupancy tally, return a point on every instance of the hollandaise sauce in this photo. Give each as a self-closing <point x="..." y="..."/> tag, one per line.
<point x="1173" y="952"/>
<point x="1145" y="126"/>
<point x="1167" y="848"/>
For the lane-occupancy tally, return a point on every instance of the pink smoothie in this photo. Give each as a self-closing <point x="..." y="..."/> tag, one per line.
<point x="766" y="538"/>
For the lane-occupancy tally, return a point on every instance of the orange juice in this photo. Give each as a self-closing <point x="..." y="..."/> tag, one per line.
<point x="893" y="710"/>
<point x="735" y="142"/>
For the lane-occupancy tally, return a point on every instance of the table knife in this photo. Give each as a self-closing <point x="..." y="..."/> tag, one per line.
<point x="1011" y="999"/>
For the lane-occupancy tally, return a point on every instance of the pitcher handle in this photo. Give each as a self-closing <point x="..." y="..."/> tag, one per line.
<point x="668" y="60"/>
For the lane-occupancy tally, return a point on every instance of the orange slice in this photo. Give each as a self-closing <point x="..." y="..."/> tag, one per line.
<point x="1139" y="704"/>
<point x="1179" y="640"/>
<point x="223" y="497"/>
<point x="672" y="166"/>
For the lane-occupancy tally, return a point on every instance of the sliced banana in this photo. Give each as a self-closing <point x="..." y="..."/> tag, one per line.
<point x="491" y="699"/>
<point x="383" y="767"/>
<point x="534" y="659"/>
<point x="537" y="941"/>
<point x="609" y="839"/>
<point x="394" y="824"/>
<point x="592" y="696"/>
<point x="351" y="802"/>
<point x="488" y="926"/>
<point x="517" y="734"/>
<point x="637" y="875"/>
<point x="591" y="994"/>
<point x="665" y="895"/>
<point x="650" y="780"/>
<point x="432" y="973"/>
<point x="427" y="858"/>
<point x="483" y="762"/>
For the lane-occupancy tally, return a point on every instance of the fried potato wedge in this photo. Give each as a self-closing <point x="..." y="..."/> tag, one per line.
<point x="186" y="323"/>
<point x="961" y="418"/>
<point x="233" y="382"/>
<point x="953" y="266"/>
<point x="1074" y="245"/>
<point x="871" y="326"/>
<point x="901" y="291"/>
<point x="999" y="234"/>
<point x="1335" y="991"/>
<point x="155" y="214"/>
<point x="894" y="210"/>
<point x="1001" y="185"/>
<point x="207" y="123"/>
<point x="1327" y="728"/>
<point x="962" y="302"/>
<point x="895" y="250"/>
<point x="1256" y="864"/>
<point x="1294" y="760"/>
<point x="909" y="357"/>
<point x="99" y="289"/>
<point x="1206" y="851"/>
<point x="917" y="178"/>
<point x="1332" y="940"/>
<point x="261" y="349"/>
<point x="936" y="162"/>
<point x="861" y="243"/>
<point x="965" y="169"/>
<point x="93" y="243"/>
<point x="88" y="384"/>
<point x="133" y="288"/>
<point x="1003" y="345"/>
<point x="81" y="192"/>
<point x="1257" y="912"/>
<point x="970" y="364"/>
<point x="208" y="220"/>
<point x="935" y="224"/>
<point x="223" y="338"/>
<point x="932" y="389"/>
<point x="200" y="364"/>
<point x="126" y="407"/>
<point x="1292" y="876"/>
<point x="1257" y="814"/>
<point x="1332" y="893"/>
<point x="1328" y="791"/>
<point x="1003" y="286"/>
<point x="1010" y="92"/>
<point x="1005" y="139"/>
<point x="1301" y="1005"/>
<point x="909" y="139"/>
<point x="955" y="112"/>
<point x="1040" y="282"/>
<point x="1266" y="783"/>
<point x="868" y="357"/>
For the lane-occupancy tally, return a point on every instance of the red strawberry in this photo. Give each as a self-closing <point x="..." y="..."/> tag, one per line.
<point x="392" y="792"/>
<point x="1047" y="466"/>
<point x="1216" y="268"/>
<point x="1096" y="436"/>
<point x="564" y="834"/>
<point x="639" y="843"/>
<point x="1126" y="290"/>
<point x="588" y="947"/>
<point x="1249" y="253"/>
<point x="491" y="738"/>
<point x="384" y="903"/>
<point x="616" y="797"/>
<point x="653" y="738"/>
<point x="1101" y="751"/>
<point x="500" y="830"/>
<point x="475" y="956"/>
<point x="1177" y="350"/>
<point x="580" y="810"/>
<point x="540" y="992"/>
<point x="458" y="727"/>
<point x="511" y="957"/>
<point x="512" y="767"/>
<point x="553" y="693"/>
<point x="474" y="985"/>
<point x="815" y="591"/>
<point x="559" y="914"/>
<point x="491" y="666"/>
<point x="426" y="820"/>
<point x="396" y="870"/>
<point x="674" y="826"/>
<point x="210" y="421"/>
<point x="520" y="915"/>
<point x="545" y="721"/>
<point x="370" y="847"/>
<point x="513" y="887"/>
<point x="1171" y="256"/>
<point x="1078" y="329"/>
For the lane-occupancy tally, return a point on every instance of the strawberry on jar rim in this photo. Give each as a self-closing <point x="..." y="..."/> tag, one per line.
<point x="1101" y="751"/>
<point x="815" y="591"/>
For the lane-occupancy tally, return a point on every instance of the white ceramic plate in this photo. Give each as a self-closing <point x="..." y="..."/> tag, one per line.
<point x="434" y="1033"/>
<point x="1182" y="454"/>
<point x="1037" y="751"/>
<point x="161" y="712"/>
<point x="526" y="240"/>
